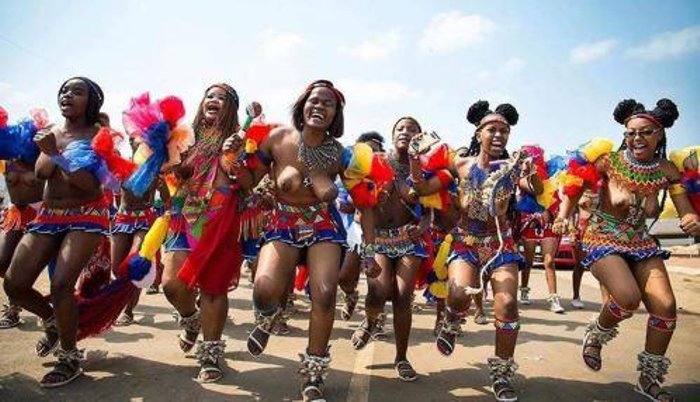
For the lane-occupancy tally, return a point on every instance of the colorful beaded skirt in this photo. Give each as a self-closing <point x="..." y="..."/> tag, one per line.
<point x="396" y="243"/>
<point x="304" y="226"/>
<point x="92" y="217"/>
<point x="131" y="220"/>
<point x="479" y="249"/>
<point x="607" y="235"/>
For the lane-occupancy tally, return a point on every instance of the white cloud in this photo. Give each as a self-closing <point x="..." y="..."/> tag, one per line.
<point x="452" y="31"/>
<point x="360" y="92"/>
<point x="589" y="52"/>
<point x="668" y="44"/>
<point x="377" y="48"/>
<point x="281" y="45"/>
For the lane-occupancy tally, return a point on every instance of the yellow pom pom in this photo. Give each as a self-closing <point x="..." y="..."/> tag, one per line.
<point x="360" y="163"/>
<point x="439" y="289"/>
<point x="547" y="197"/>
<point x="433" y="201"/>
<point x="155" y="237"/>
<point x="440" y="262"/>
<point x="2" y="167"/>
<point x="686" y="158"/>
<point x="250" y="146"/>
<point x="596" y="148"/>
<point x="566" y="179"/>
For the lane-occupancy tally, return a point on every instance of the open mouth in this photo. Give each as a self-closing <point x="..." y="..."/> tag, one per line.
<point x="66" y="103"/>
<point x="212" y="110"/>
<point x="317" y="115"/>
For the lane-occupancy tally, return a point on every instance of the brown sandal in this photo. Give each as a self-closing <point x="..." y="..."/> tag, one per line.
<point x="362" y="335"/>
<point x="66" y="369"/>
<point x="49" y="342"/>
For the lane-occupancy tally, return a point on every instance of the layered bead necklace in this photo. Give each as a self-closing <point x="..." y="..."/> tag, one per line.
<point x="639" y="177"/>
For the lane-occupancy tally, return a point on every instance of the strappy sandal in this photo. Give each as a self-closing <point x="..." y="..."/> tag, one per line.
<point x="447" y="337"/>
<point x="653" y="368"/>
<point x="260" y="335"/>
<point x="502" y="374"/>
<point x="9" y="317"/>
<point x="405" y="371"/>
<point x="190" y="331"/>
<point x="379" y="332"/>
<point x="362" y="335"/>
<point x="124" y="320"/>
<point x="66" y="370"/>
<point x="49" y="342"/>
<point x="313" y="372"/>
<point x="208" y="354"/>
<point x="349" y="303"/>
<point x="593" y="341"/>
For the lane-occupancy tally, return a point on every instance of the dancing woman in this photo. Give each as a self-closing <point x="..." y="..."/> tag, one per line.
<point x="207" y="192"/>
<point x="303" y="162"/>
<point x="69" y="227"/>
<point x="483" y="240"/>
<point x="131" y="223"/>
<point x="619" y="250"/>
<point x="25" y="191"/>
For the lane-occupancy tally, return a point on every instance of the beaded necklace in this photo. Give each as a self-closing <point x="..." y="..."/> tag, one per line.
<point x="322" y="157"/>
<point x="639" y="177"/>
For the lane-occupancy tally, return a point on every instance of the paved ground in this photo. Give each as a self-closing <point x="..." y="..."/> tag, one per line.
<point x="143" y="362"/>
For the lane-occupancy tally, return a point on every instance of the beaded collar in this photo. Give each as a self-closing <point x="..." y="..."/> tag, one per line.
<point x="638" y="177"/>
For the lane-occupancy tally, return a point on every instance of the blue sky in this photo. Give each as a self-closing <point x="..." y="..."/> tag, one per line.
<point x="563" y="64"/>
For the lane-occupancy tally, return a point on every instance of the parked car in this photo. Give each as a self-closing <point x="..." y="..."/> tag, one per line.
<point x="565" y="255"/>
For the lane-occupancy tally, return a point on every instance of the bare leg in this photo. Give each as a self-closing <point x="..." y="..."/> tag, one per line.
<point x="504" y="281"/>
<point x="529" y="247"/>
<point x="214" y="313"/>
<point x="32" y="255"/>
<point x="182" y="298"/>
<point x="624" y="297"/>
<point x="461" y="274"/>
<point x="323" y="260"/>
<point x="350" y="272"/>
<point x="406" y="269"/>
<point x="8" y="244"/>
<point x="176" y="290"/>
<point x="75" y="252"/>
<point x="275" y="269"/>
<point x="660" y="302"/>
<point x="549" y="250"/>
<point x="577" y="274"/>
<point x="379" y="289"/>
<point x="122" y="246"/>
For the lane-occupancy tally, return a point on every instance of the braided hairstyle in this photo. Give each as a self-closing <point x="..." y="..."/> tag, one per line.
<point x="476" y="114"/>
<point x="227" y="123"/>
<point x="665" y="114"/>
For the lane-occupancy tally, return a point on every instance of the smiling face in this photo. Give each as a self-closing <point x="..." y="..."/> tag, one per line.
<point x="404" y="130"/>
<point x="493" y="138"/>
<point x="73" y="99"/>
<point x="642" y="137"/>
<point x="320" y="108"/>
<point x="213" y="105"/>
